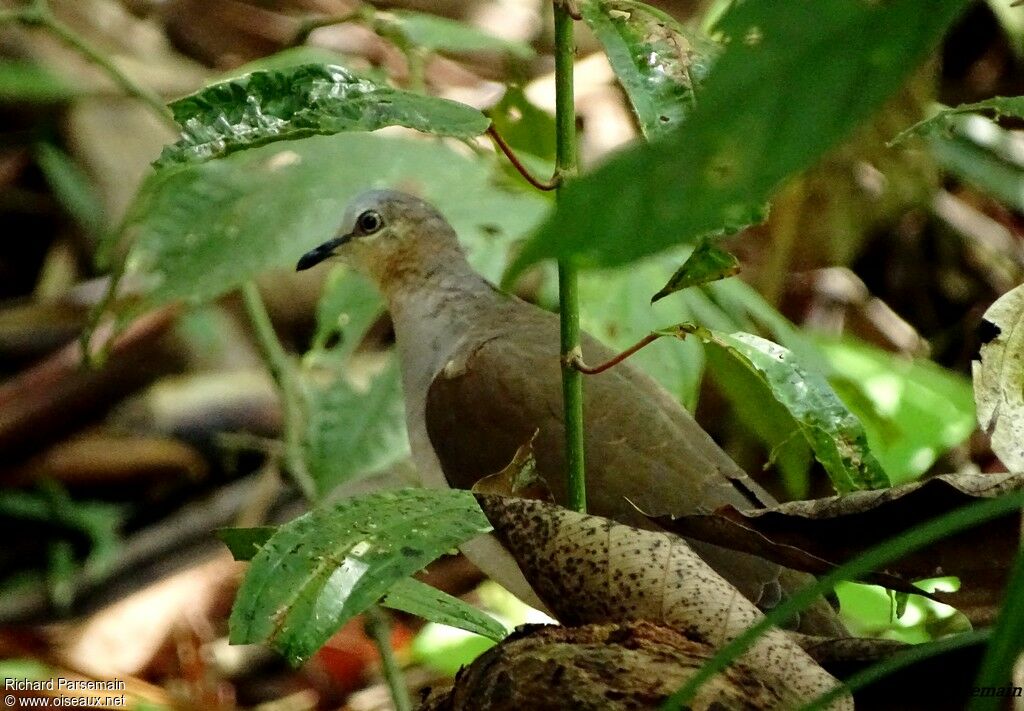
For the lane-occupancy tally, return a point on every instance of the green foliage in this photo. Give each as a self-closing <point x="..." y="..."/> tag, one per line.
<point x="408" y="595"/>
<point x="979" y="151"/>
<point x="351" y="428"/>
<point x="416" y="598"/>
<point x="295" y="102"/>
<point x="659" y="62"/>
<point x="751" y="129"/>
<point x="439" y="34"/>
<point x="72" y="187"/>
<point x="323" y="568"/>
<point x="205" y="229"/>
<point x="940" y="120"/>
<point x="1006" y="643"/>
<point x="28" y="82"/>
<point x="834" y="434"/>
<point x="705" y="264"/>
<point x="912" y="409"/>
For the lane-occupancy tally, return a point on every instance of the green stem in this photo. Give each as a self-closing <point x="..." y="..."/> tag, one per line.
<point x="282" y="369"/>
<point x="378" y="629"/>
<point x="568" y="282"/>
<point x="39" y="15"/>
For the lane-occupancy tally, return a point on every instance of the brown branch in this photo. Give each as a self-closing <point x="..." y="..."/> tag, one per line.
<point x="576" y="360"/>
<point x="556" y="179"/>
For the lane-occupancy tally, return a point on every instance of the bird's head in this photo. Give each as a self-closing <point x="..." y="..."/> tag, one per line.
<point x="389" y="235"/>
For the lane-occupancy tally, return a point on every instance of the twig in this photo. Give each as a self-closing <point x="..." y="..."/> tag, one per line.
<point x="38" y="14"/>
<point x="577" y="363"/>
<point x="282" y="369"/>
<point x="505" y="148"/>
<point x="375" y="621"/>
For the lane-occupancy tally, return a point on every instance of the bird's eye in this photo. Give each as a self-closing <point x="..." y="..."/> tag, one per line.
<point x="369" y="222"/>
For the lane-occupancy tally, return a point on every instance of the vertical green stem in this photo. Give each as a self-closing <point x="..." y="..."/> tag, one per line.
<point x="568" y="282"/>
<point x="282" y="369"/>
<point x="378" y="629"/>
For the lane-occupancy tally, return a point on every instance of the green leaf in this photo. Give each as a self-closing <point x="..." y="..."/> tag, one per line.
<point x="439" y="34"/>
<point x="981" y="152"/>
<point x="203" y="230"/>
<point x="835" y="435"/>
<point x="793" y="80"/>
<point x="244" y="543"/>
<point x="999" y="378"/>
<point x="305" y="100"/>
<point x="1005" y="645"/>
<point x="417" y="598"/>
<point x="659" y="62"/>
<point x="73" y="188"/>
<point x="29" y="82"/>
<point x="408" y="595"/>
<point x="940" y="120"/>
<point x="705" y="264"/>
<point x="320" y="570"/>
<point x="912" y="409"/>
<point x="353" y="427"/>
<point x="523" y="125"/>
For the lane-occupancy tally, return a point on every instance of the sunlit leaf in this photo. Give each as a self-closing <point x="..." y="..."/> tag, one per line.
<point x="998" y="105"/>
<point x="659" y="62"/>
<point x="834" y="434"/>
<point x="750" y="129"/>
<point x="320" y="570"/>
<point x="999" y="378"/>
<point x="295" y="102"/>
<point x="422" y="600"/>
<point x="912" y="409"/>
<point x="706" y="263"/>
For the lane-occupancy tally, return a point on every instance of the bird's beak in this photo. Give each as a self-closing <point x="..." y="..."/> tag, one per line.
<point x="319" y="254"/>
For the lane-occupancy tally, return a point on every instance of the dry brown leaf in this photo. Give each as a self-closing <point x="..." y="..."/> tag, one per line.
<point x="589" y="569"/>
<point x="819" y="534"/>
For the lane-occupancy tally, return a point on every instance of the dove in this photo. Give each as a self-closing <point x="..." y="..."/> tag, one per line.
<point x="481" y="375"/>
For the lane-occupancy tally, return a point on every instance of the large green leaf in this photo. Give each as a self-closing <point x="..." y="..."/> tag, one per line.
<point x="203" y="230"/>
<point x="320" y="570"/>
<point x="300" y="101"/>
<point x="408" y="595"/>
<point x="834" y="434"/>
<point x="439" y="34"/>
<point x="658" y="61"/>
<point x="794" y="78"/>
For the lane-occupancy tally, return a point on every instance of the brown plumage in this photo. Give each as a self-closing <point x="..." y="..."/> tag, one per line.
<point x="481" y="374"/>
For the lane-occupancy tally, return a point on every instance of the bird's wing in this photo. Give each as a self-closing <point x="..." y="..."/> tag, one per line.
<point x="642" y="449"/>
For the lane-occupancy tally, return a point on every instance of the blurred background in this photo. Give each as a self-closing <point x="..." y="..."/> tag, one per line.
<point x="878" y="262"/>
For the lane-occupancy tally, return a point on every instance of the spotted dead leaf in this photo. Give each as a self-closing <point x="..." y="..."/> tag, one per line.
<point x="819" y="534"/>
<point x="589" y="569"/>
<point x="999" y="378"/>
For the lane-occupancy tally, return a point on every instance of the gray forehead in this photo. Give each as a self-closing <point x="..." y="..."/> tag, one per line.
<point x="390" y="204"/>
